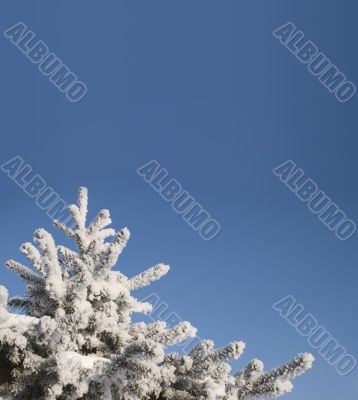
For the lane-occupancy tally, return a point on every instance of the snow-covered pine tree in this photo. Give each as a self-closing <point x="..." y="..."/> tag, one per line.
<point x="75" y="340"/>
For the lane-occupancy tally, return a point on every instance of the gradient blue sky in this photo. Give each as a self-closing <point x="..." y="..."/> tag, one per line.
<point x="204" y="88"/>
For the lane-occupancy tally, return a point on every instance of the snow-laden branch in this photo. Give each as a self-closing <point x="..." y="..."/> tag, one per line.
<point x="51" y="266"/>
<point x="176" y="335"/>
<point x="147" y="277"/>
<point x="25" y="272"/>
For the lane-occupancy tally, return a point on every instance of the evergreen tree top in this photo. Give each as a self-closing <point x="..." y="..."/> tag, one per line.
<point x="76" y="340"/>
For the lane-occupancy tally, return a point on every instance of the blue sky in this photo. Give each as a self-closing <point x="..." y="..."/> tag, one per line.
<point x="206" y="90"/>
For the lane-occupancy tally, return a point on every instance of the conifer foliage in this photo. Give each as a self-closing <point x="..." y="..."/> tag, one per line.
<point x="73" y="337"/>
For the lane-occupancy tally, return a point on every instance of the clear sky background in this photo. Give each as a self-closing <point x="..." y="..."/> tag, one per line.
<point x="204" y="88"/>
